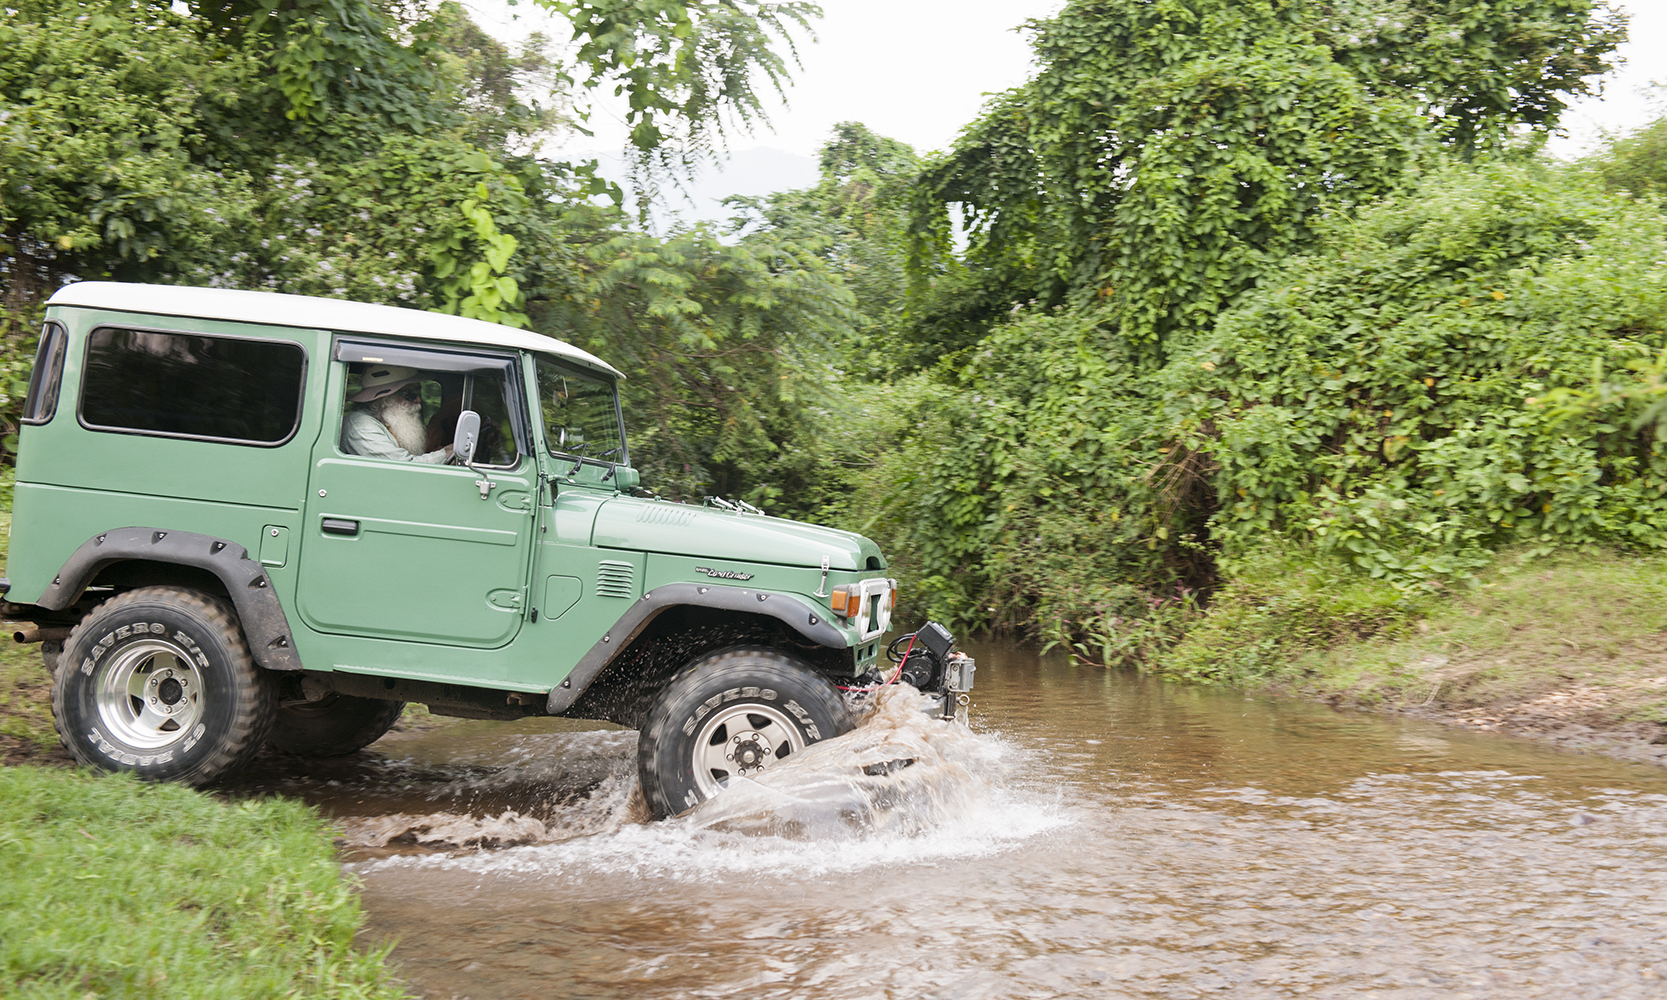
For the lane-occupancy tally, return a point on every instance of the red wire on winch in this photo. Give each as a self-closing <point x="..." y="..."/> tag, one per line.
<point x="894" y="674"/>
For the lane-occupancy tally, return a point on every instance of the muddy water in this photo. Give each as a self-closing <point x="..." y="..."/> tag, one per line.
<point x="1096" y="835"/>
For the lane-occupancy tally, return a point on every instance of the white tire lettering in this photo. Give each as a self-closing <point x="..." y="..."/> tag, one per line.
<point x="767" y="694"/>
<point x="124" y="631"/>
<point x="87" y="666"/>
<point x="805" y="720"/>
<point x="732" y="694"/>
<point x="749" y="692"/>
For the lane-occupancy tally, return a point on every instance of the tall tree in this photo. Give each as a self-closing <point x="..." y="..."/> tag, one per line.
<point x="1169" y="150"/>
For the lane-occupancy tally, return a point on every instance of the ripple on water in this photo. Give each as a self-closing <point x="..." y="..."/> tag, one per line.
<point x="1121" y="838"/>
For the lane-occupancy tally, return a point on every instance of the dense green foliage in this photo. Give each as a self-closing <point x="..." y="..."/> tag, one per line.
<point x="730" y="351"/>
<point x="1215" y="249"/>
<point x="342" y="148"/>
<point x="1234" y="274"/>
<point x="1167" y="153"/>
<point x="113" y="888"/>
<point x="1381" y="395"/>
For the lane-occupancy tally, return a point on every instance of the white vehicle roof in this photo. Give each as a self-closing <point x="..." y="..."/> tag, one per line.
<point x="313" y="313"/>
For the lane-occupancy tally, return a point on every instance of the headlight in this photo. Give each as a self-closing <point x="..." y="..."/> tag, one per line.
<point x="866" y="605"/>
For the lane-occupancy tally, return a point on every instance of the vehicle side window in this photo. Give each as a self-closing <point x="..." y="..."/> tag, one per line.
<point x="41" y="404"/>
<point x="581" y="414"/>
<point x="191" y="385"/>
<point x="405" y="414"/>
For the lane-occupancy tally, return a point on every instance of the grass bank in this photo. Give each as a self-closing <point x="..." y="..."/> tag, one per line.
<point x="26" y="732"/>
<point x="113" y="888"/>
<point x="1571" y="648"/>
<point x="109" y="887"/>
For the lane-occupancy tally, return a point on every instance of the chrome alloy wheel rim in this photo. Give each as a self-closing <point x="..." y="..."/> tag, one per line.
<point x="150" y="694"/>
<point x="738" y="741"/>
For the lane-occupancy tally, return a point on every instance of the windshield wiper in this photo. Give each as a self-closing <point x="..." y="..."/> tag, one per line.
<point x="578" y="459"/>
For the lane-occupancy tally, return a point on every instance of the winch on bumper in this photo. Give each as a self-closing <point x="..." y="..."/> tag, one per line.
<point x="928" y="660"/>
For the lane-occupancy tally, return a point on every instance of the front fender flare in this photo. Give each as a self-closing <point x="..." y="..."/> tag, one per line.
<point x="805" y="619"/>
<point x="264" y="623"/>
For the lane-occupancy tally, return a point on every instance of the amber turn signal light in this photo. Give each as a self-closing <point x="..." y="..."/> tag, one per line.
<point x="842" y="601"/>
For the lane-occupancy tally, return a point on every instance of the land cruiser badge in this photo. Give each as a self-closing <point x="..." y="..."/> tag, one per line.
<point x="722" y="574"/>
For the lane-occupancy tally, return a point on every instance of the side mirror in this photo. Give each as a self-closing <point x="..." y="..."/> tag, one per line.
<point x="626" y="479"/>
<point x="467" y="437"/>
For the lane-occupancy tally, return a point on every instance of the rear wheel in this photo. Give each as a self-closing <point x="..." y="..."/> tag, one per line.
<point x="333" y="726"/>
<point x="159" y="681"/>
<point x="730" y="715"/>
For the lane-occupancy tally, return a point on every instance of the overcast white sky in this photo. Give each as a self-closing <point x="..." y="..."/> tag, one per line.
<point x="919" y="70"/>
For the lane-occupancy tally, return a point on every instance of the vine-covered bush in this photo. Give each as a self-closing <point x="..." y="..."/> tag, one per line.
<point x="1382" y="397"/>
<point x="1379" y="400"/>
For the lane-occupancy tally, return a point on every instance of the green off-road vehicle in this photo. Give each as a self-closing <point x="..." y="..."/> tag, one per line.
<point x="246" y="519"/>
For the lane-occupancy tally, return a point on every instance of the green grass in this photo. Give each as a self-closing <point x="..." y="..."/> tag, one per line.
<point x="1587" y="629"/>
<point x="25" y="702"/>
<point x="1594" y="620"/>
<point x="1280" y="604"/>
<point x="25" y="686"/>
<point x="113" y="888"/>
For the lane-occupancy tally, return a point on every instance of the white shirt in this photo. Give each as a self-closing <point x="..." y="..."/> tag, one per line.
<point x="363" y="434"/>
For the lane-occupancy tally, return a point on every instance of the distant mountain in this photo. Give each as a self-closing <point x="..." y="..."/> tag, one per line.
<point x="756" y="171"/>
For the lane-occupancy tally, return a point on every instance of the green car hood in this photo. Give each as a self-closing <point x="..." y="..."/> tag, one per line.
<point x="683" y="529"/>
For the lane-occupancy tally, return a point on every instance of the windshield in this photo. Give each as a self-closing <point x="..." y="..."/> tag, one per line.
<point x="581" y="416"/>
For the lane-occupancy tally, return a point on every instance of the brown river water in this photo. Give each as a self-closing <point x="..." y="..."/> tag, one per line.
<point x="1095" y="834"/>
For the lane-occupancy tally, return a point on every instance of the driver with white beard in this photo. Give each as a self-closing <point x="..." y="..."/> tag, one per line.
<point x="388" y="422"/>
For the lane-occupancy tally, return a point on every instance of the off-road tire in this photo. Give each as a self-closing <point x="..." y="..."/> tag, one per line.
<point x="751" y="690"/>
<point x="334" y="726"/>
<point x="110" y="688"/>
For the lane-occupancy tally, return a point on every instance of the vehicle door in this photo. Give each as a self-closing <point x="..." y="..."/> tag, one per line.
<point x="400" y="543"/>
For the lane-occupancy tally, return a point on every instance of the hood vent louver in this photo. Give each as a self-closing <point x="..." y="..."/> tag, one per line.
<point x="615" y="579"/>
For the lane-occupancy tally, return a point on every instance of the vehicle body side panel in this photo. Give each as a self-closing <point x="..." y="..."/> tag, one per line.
<point x="247" y="582"/>
<point x="61" y="518"/>
<point x="609" y="580"/>
<point x="229" y="491"/>
<point x="789" y="609"/>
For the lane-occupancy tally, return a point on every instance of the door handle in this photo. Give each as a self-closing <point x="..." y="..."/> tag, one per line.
<point x="340" y="526"/>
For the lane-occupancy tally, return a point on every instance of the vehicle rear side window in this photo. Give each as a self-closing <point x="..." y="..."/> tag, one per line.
<point x="41" y="403"/>
<point x="190" y="385"/>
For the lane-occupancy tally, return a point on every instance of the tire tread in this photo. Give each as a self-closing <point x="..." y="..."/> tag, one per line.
<point x="254" y="715"/>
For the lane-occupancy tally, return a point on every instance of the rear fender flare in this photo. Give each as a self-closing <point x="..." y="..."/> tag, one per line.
<point x="264" y="623"/>
<point x="806" y="619"/>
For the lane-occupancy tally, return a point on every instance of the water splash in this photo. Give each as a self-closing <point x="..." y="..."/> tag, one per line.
<point x="899" y="772"/>
<point x="902" y="787"/>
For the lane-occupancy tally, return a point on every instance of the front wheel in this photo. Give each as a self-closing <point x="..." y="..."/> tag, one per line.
<point x="730" y="715"/>
<point x="159" y="681"/>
